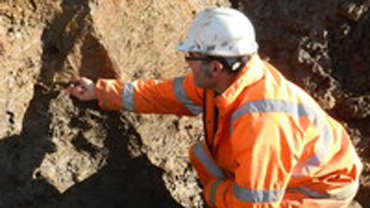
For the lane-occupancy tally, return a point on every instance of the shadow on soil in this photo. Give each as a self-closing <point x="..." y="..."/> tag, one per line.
<point x="123" y="182"/>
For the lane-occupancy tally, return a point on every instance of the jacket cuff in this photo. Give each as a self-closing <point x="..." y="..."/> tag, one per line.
<point x="109" y="94"/>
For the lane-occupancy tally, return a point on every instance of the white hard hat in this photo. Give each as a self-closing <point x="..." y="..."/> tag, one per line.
<point x="220" y="32"/>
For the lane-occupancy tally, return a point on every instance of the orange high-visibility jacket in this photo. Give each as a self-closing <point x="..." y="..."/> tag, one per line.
<point x="268" y="143"/>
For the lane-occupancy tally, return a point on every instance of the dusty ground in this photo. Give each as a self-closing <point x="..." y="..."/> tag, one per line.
<point x="59" y="152"/>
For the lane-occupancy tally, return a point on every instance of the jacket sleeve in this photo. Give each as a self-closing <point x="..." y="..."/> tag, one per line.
<point x="177" y="96"/>
<point x="265" y="156"/>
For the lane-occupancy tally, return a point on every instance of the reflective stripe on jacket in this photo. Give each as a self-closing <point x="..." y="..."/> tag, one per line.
<point x="268" y="143"/>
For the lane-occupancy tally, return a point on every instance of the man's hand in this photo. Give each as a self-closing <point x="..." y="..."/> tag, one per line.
<point x="82" y="88"/>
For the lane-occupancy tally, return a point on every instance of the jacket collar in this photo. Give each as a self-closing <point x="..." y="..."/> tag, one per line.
<point x="250" y="74"/>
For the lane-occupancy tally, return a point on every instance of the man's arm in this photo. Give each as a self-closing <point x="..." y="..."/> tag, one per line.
<point x="177" y="96"/>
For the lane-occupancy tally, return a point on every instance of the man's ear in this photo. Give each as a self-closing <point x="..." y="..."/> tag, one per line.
<point x="216" y="68"/>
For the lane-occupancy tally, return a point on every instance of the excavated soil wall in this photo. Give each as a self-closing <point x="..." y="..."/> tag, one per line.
<point x="58" y="152"/>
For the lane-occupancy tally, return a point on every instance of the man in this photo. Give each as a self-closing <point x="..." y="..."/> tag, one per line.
<point x="268" y="143"/>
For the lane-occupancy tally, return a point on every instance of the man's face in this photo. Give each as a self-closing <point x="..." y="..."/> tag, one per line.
<point x="200" y="70"/>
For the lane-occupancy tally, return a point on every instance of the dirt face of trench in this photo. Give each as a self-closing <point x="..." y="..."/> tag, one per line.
<point x="58" y="152"/>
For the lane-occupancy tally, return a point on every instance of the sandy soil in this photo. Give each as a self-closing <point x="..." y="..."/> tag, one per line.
<point x="58" y="152"/>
